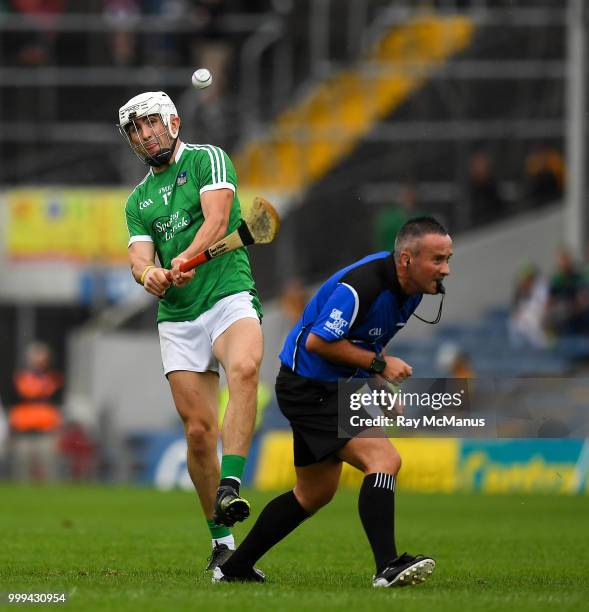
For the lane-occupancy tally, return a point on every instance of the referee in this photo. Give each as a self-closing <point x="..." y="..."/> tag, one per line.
<point x="341" y="334"/>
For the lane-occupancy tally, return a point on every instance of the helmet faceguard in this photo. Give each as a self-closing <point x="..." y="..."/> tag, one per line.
<point x="146" y="105"/>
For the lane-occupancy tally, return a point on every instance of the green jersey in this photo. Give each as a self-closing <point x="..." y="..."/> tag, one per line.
<point x="165" y="209"/>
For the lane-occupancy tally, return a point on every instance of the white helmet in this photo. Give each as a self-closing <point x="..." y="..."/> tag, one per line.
<point x="143" y="105"/>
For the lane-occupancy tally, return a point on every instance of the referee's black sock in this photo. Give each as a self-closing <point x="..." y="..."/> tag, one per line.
<point x="376" y="505"/>
<point x="281" y="516"/>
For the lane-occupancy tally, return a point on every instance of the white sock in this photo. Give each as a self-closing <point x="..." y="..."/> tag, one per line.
<point x="227" y="540"/>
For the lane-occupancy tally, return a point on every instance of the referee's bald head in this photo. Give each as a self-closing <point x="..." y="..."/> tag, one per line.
<point x="414" y="230"/>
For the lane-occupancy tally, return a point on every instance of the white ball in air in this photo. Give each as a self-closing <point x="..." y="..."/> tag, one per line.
<point x="202" y="78"/>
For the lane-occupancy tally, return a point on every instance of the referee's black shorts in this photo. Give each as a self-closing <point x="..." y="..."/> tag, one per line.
<point x="311" y="408"/>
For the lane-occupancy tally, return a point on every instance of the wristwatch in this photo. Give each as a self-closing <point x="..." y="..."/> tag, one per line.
<point x="378" y="364"/>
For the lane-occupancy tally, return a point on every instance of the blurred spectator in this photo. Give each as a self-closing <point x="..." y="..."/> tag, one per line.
<point x="37" y="48"/>
<point x="453" y="362"/>
<point x="567" y="311"/>
<point x="527" y="319"/>
<point x="36" y="418"/>
<point x="293" y="300"/>
<point x="210" y="48"/>
<point x="94" y="285"/>
<point x="585" y="267"/>
<point x="3" y="438"/>
<point x="161" y="48"/>
<point x="395" y="215"/>
<point x="123" y="42"/>
<point x="462" y="366"/>
<point x="544" y="176"/>
<point x="211" y="119"/>
<point x="78" y="452"/>
<point x="484" y="196"/>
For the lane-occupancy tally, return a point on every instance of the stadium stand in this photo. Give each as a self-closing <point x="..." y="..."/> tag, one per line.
<point x="490" y="80"/>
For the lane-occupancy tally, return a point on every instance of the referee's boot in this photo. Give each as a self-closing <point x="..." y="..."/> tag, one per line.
<point x="220" y="554"/>
<point x="230" y="507"/>
<point x="405" y="570"/>
<point x="252" y="574"/>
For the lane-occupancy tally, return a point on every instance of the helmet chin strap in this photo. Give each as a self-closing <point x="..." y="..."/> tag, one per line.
<point x="163" y="157"/>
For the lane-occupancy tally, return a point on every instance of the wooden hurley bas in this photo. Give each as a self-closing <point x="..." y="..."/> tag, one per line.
<point x="260" y="226"/>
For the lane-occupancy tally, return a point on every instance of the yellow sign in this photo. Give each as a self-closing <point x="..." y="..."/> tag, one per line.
<point x="275" y="463"/>
<point x="428" y="465"/>
<point x="445" y="465"/>
<point x="537" y="475"/>
<point x="76" y="224"/>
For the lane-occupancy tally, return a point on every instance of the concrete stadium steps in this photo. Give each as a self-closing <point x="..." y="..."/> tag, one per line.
<point x="415" y="144"/>
<point x="311" y="137"/>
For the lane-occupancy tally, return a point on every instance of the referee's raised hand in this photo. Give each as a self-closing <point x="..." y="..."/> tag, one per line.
<point x="396" y="369"/>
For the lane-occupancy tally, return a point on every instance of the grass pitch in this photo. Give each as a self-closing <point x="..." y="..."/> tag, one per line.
<point x="138" y="549"/>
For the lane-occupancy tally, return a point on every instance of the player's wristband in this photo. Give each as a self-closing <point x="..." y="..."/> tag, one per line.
<point x="144" y="273"/>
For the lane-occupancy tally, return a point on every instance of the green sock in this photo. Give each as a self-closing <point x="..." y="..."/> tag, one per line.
<point x="232" y="466"/>
<point x="218" y="531"/>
